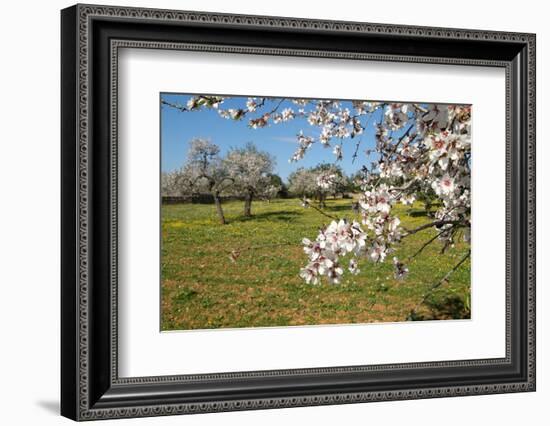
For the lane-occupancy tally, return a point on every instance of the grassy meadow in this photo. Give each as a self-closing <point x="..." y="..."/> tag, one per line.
<point x="203" y="288"/>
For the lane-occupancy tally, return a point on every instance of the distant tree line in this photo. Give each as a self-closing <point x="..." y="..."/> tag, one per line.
<point x="247" y="173"/>
<point x="321" y="181"/>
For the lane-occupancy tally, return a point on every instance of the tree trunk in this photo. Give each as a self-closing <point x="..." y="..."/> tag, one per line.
<point x="219" y="209"/>
<point x="322" y="201"/>
<point x="248" y="204"/>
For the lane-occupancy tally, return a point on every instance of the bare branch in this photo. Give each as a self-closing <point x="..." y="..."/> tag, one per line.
<point x="426" y="244"/>
<point x="173" y="105"/>
<point x="309" y="205"/>
<point x="457" y="223"/>
<point x="403" y="136"/>
<point x="354" y="157"/>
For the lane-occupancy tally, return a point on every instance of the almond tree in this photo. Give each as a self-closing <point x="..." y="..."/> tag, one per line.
<point x="303" y="183"/>
<point x="317" y="182"/>
<point x="331" y="180"/>
<point x="250" y="169"/>
<point x="169" y="184"/>
<point x="205" y="171"/>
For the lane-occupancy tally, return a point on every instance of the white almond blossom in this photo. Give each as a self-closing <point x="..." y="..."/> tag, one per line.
<point x="325" y="180"/>
<point x="377" y="252"/>
<point x="337" y="240"/>
<point x="396" y="116"/>
<point x="353" y="266"/>
<point x="251" y="104"/>
<point x="250" y="170"/>
<point x="287" y="114"/>
<point x="400" y="269"/>
<point x="444" y="186"/>
<point x="424" y="150"/>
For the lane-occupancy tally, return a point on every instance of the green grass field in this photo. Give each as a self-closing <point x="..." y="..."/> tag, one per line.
<point x="203" y="288"/>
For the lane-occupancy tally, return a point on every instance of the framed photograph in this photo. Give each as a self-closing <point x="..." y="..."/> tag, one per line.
<point x="263" y="212"/>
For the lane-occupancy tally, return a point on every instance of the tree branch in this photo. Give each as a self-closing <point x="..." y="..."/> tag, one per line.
<point x="426" y="244"/>
<point x="436" y="223"/>
<point x="172" y="105"/>
<point x="354" y="157"/>
<point x="276" y="107"/>
<point x="403" y="136"/>
<point x="310" y="205"/>
<point x="222" y="188"/>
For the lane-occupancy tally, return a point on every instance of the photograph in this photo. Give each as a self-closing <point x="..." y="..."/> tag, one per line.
<point x="284" y="211"/>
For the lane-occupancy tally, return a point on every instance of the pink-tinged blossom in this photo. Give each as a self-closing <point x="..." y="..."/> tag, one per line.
<point x="325" y="180"/>
<point x="444" y="186"/>
<point x="390" y="170"/>
<point x="251" y="104"/>
<point x="337" y="240"/>
<point x="408" y="199"/>
<point x="326" y="135"/>
<point x="422" y="149"/>
<point x="287" y="114"/>
<point x="400" y="269"/>
<point x="304" y="143"/>
<point x="259" y="122"/>
<point x="353" y="266"/>
<point x="377" y="252"/>
<point x="192" y="103"/>
<point x="310" y="275"/>
<point x="396" y="116"/>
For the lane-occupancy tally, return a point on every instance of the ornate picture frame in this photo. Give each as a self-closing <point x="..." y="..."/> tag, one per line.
<point x="91" y="38"/>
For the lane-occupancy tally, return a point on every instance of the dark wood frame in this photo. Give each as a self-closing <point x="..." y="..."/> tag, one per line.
<point x="91" y="37"/>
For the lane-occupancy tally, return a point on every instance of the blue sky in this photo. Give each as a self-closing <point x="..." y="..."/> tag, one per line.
<point x="178" y="128"/>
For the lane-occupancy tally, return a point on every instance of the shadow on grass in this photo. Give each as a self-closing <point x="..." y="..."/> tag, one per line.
<point x="339" y="208"/>
<point x="417" y="213"/>
<point x="185" y="295"/>
<point x="282" y="215"/>
<point x="448" y="307"/>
